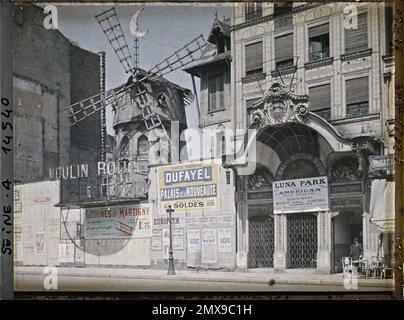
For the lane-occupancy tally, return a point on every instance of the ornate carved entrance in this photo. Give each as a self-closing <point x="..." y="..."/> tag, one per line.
<point x="261" y="240"/>
<point x="302" y="241"/>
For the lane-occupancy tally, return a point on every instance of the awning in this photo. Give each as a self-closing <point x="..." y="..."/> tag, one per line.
<point x="382" y="205"/>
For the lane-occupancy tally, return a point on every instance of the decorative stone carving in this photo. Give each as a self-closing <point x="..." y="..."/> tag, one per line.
<point x="346" y="169"/>
<point x="278" y="106"/>
<point x="262" y="178"/>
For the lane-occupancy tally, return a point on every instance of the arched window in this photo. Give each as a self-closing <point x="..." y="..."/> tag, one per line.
<point x="143" y="147"/>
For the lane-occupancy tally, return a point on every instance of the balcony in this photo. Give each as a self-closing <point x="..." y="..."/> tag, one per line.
<point x="319" y="59"/>
<point x="284" y="67"/>
<point x="356" y="54"/>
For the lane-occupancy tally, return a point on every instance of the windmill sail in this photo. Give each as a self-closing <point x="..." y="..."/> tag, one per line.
<point x="109" y="23"/>
<point x="180" y="58"/>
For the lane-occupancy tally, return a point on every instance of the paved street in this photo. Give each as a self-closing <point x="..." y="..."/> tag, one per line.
<point x="120" y="279"/>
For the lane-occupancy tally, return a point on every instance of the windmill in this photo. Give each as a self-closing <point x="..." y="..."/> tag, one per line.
<point x="148" y="110"/>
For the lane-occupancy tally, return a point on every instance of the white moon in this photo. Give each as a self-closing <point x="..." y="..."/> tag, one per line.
<point x="134" y="25"/>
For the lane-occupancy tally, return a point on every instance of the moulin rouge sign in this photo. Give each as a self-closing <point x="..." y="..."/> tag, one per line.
<point x="79" y="171"/>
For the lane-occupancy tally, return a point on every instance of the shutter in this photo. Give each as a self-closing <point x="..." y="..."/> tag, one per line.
<point x="253" y="54"/>
<point x="357" y="90"/>
<point x="320" y="97"/>
<point x="212" y="93"/>
<point x="220" y="91"/>
<point x="284" y="47"/>
<point x="357" y="38"/>
<point x="319" y="30"/>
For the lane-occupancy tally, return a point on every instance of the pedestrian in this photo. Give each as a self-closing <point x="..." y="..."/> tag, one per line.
<point x="356" y="255"/>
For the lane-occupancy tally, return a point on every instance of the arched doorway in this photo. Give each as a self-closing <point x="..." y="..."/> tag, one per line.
<point x="299" y="149"/>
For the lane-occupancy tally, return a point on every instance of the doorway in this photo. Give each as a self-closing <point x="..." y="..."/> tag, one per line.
<point x="302" y="241"/>
<point x="261" y="237"/>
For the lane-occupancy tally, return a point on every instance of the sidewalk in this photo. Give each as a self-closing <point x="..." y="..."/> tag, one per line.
<point x="250" y="277"/>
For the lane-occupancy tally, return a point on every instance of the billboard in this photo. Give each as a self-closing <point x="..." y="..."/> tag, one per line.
<point x="301" y="195"/>
<point x="118" y="222"/>
<point x="189" y="186"/>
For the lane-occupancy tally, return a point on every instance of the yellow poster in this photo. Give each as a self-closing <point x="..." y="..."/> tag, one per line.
<point x="187" y="187"/>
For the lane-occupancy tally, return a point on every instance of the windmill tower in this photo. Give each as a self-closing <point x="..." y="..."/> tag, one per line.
<point x="144" y="108"/>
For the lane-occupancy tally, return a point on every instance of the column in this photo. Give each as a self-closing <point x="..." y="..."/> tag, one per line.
<point x="324" y="242"/>
<point x="280" y="234"/>
<point x="242" y="233"/>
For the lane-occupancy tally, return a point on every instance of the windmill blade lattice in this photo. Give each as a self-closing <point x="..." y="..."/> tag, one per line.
<point x="109" y="23"/>
<point x="180" y="58"/>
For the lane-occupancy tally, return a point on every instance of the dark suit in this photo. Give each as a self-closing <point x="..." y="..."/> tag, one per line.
<point x="356" y="251"/>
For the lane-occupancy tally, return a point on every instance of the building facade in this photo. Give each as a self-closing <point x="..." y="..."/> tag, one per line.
<point x="316" y="84"/>
<point x="51" y="75"/>
<point x="315" y="81"/>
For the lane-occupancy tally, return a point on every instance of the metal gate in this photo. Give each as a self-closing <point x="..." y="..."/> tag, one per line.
<point x="260" y="242"/>
<point x="302" y="241"/>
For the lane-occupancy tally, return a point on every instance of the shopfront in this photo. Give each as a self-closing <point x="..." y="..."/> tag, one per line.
<point x="309" y="196"/>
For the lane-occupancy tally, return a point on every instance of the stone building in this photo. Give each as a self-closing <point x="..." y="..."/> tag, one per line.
<point x="317" y="85"/>
<point x="48" y="76"/>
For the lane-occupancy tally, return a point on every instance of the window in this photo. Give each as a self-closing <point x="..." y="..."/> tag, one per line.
<point x="357" y="39"/>
<point x="143" y="147"/>
<point x="253" y="11"/>
<point x="220" y="142"/>
<point x="250" y="109"/>
<point x="216" y="94"/>
<point x="319" y="42"/>
<point x="284" y="51"/>
<point x="143" y="153"/>
<point x="357" y="97"/>
<point x="282" y="14"/>
<point x="389" y="29"/>
<point x="320" y="100"/>
<point x="283" y="7"/>
<point x="254" y="59"/>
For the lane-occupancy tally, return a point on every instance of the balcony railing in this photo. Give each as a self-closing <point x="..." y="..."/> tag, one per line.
<point x="253" y="15"/>
<point x="357" y="109"/>
<point x="319" y="55"/>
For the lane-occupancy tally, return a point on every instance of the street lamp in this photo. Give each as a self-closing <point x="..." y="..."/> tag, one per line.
<point x="171" y="270"/>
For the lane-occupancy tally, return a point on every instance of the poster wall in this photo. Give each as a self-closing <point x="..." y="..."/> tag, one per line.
<point x="118" y="222"/>
<point x="301" y="195"/>
<point x="189" y="187"/>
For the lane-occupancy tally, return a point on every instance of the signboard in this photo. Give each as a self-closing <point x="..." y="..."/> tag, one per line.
<point x="380" y="163"/>
<point x="189" y="187"/>
<point x="224" y="240"/>
<point x="118" y="222"/>
<point x="300" y="195"/>
<point x="194" y="240"/>
<point x="209" y="251"/>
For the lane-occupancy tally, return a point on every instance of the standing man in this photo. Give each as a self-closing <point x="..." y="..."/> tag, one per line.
<point x="356" y="255"/>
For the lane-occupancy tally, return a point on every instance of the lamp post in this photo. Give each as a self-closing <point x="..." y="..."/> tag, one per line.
<point x="171" y="270"/>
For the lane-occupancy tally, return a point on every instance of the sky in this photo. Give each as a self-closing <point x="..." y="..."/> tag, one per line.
<point x="169" y="26"/>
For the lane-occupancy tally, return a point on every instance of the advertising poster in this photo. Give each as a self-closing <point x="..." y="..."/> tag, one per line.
<point x="178" y="239"/>
<point x="156" y="239"/>
<point x="189" y="187"/>
<point x="209" y="250"/>
<point x="194" y="240"/>
<point x="301" y="195"/>
<point x="224" y="240"/>
<point x="39" y="242"/>
<point x="166" y="242"/>
<point x="118" y="222"/>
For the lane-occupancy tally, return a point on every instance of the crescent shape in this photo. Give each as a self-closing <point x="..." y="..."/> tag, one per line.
<point x="133" y="25"/>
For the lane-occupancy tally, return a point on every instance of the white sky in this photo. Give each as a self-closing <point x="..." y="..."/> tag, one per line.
<point x="170" y="26"/>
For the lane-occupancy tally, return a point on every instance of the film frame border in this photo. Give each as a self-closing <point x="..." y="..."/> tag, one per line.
<point x="398" y="53"/>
